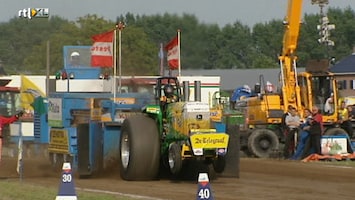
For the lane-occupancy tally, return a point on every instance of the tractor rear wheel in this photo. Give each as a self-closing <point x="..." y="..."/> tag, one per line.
<point x="262" y="142"/>
<point x="139" y="149"/>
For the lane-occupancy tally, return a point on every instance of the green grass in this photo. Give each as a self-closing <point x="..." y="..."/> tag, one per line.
<point x="16" y="190"/>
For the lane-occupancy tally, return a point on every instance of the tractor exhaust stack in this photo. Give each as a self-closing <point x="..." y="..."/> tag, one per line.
<point x="185" y="90"/>
<point x="197" y="90"/>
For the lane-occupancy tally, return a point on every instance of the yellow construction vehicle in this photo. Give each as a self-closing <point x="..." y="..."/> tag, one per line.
<point x="301" y="90"/>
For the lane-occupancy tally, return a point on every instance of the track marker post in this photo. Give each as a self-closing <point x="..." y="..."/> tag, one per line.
<point x="204" y="191"/>
<point x="66" y="188"/>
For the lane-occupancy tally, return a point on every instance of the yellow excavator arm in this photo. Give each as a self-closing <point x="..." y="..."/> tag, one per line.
<point x="290" y="88"/>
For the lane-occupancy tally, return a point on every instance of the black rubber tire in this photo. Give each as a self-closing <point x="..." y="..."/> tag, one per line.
<point x="335" y="131"/>
<point x="219" y="164"/>
<point x="174" y="158"/>
<point x="340" y="131"/>
<point x="262" y="142"/>
<point x="140" y="142"/>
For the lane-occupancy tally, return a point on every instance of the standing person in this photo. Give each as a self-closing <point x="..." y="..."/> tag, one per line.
<point x="316" y="130"/>
<point x="5" y="121"/>
<point x="283" y="120"/>
<point x="345" y="122"/>
<point x="329" y="105"/>
<point x="292" y="122"/>
<point x="350" y="118"/>
<point x="304" y="135"/>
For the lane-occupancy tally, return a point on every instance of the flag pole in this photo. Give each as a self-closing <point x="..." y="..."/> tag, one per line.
<point x="161" y="56"/>
<point x="179" y="61"/>
<point x="114" y="63"/>
<point x="47" y="67"/>
<point x="121" y="26"/>
<point x="19" y="167"/>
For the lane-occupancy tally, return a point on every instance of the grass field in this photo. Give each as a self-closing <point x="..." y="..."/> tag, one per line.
<point x="16" y="190"/>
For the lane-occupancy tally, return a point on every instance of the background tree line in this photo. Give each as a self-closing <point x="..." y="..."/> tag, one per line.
<point x="203" y="46"/>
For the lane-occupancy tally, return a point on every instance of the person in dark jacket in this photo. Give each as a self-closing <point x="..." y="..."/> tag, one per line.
<point x="350" y="118"/>
<point x="345" y="118"/>
<point x="316" y="130"/>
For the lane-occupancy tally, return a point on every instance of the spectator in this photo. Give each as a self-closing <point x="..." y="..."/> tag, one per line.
<point x="292" y="122"/>
<point x="269" y="87"/>
<point x="344" y="121"/>
<point x="315" y="131"/>
<point x="283" y="122"/>
<point x="350" y="112"/>
<point x="8" y="120"/>
<point x="304" y="135"/>
<point x="329" y="105"/>
<point x="351" y="117"/>
<point x="5" y="121"/>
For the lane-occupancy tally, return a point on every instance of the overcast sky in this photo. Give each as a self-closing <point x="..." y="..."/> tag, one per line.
<point x="221" y="12"/>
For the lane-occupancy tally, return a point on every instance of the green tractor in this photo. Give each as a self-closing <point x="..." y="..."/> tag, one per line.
<point x="171" y="133"/>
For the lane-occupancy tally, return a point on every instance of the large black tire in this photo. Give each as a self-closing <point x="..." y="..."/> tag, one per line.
<point x="335" y="131"/>
<point x="219" y="164"/>
<point x="139" y="149"/>
<point x="340" y="131"/>
<point x="174" y="158"/>
<point x="262" y="142"/>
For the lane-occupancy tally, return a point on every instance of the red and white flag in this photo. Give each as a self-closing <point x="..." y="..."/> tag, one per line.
<point x="173" y="49"/>
<point x="102" y="50"/>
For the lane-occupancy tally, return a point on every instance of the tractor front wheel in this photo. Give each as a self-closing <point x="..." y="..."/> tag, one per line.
<point x="219" y="164"/>
<point x="175" y="160"/>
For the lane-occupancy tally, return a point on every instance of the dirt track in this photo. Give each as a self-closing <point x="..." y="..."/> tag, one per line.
<point x="259" y="179"/>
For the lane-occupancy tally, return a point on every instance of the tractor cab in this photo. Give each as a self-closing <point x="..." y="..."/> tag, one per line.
<point x="168" y="90"/>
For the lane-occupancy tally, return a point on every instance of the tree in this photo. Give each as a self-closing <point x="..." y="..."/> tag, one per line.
<point x="35" y="61"/>
<point x="139" y="54"/>
<point x="23" y="42"/>
<point x="344" y="33"/>
<point x="267" y="39"/>
<point x="20" y="36"/>
<point x="235" y="47"/>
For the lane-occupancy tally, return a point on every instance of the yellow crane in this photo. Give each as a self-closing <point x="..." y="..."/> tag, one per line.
<point x="301" y="90"/>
